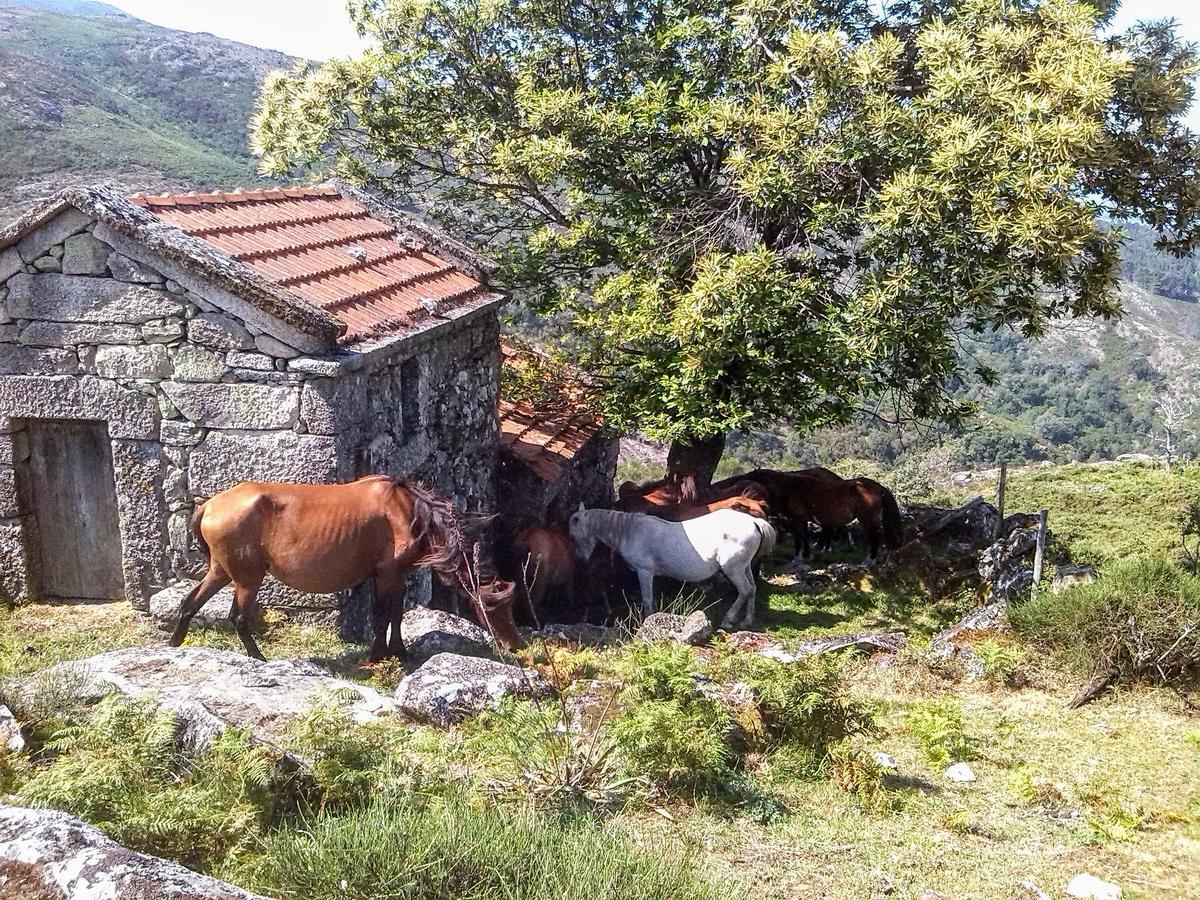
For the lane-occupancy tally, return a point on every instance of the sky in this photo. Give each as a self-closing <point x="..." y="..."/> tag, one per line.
<point x="320" y="29"/>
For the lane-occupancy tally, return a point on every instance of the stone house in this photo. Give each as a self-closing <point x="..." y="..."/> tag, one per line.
<point x="155" y="350"/>
<point x="554" y="454"/>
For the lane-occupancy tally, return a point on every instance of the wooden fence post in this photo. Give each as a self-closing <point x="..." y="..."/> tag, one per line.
<point x="1000" y="499"/>
<point x="1043" y="516"/>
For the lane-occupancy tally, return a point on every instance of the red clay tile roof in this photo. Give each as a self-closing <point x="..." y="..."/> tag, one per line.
<point x="545" y="437"/>
<point x="326" y="248"/>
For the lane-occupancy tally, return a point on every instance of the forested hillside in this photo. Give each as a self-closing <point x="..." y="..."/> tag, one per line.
<point x="99" y="95"/>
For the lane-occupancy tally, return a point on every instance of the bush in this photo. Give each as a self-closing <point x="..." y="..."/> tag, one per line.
<point x="121" y="771"/>
<point x="668" y="729"/>
<point x="1140" y="619"/>
<point x="445" y="846"/>
<point x="938" y="727"/>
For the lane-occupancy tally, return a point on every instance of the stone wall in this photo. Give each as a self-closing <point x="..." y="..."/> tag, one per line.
<point x="197" y="400"/>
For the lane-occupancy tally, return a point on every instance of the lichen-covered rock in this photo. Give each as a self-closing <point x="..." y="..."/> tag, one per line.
<point x="85" y="254"/>
<point x="10" y="731"/>
<point x="71" y="334"/>
<point x="68" y="298"/>
<point x="219" y="332"/>
<point x="250" y="406"/>
<point x="75" y="860"/>
<point x="223" y="459"/>
<point x="18" y="360"/>
<point x="164" y="606"/>
<point x="145" y="361"/>
<point x="581" y="633"/>
<point x="427" y="632"/>
<point x="863" y="641"/>
<point x="1072" y="576"/>
<point x="1001" y="568"/>
<point x="695" y="629"/>
<point x="123" y="268"/>
<point x="211" y="690"/>
<point x="450" y="688"/>
<point x="956" y="640"/>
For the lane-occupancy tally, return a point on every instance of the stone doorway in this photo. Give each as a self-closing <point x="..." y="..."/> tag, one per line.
<point x="72" y="527"/>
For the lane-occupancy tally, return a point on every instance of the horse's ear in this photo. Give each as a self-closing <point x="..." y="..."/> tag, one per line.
<point x="581" y="506"/>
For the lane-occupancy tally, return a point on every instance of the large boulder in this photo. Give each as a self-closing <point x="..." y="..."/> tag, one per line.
<point x="450" y="688"/>
<point x="695" y="629"/>
<point x="426" y="632"/>
<point x="957" y="642"/>
<point x="211" y="690"/>
<point x="165" y="606"/>
<point x="49" y="854"/>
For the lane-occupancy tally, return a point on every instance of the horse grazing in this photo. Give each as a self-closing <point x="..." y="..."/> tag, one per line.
<point x="726" y="542"/>
<point x="541" y="557"/>
<point x="818" y="495"/>
<point x="322" y="538"/>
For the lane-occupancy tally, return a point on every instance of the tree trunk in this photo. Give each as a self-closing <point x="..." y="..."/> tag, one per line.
<point x="698" y="457"/>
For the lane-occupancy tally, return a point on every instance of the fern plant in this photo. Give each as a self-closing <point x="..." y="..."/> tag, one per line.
<point x="938" y="727"/>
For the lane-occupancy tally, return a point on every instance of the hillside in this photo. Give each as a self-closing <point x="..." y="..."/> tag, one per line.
<point x="89" y="94"/>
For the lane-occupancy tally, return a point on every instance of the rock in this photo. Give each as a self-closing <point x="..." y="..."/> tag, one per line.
<point x="1071" y="576"/>
<point x="240" y="359"/>
<point x="885" y="760"/>
<point x="63" y="334"/>
<point x="211" y="690"/>
<point x="223" y="459"/>
<point x="583" y="634"/>
<point x="250" y="406"/>
<point x="327" y="368"/>
<point x="58" y="855"/>
<point x="960" y="772"/>
<point x="165" y="331"/>
<point x="10" y="263"/>
<point x="145" y="361"/>
<point x="164" y="605"/>
<point x="194" y="363"/>
<point x="949" y="642"/>
<point x="750" y="642"/>
<point x="129" y="413"/>
<point x="47" y="264"/>
<point x="272" y="347"/>
<point x="219" y="332"/>
<point x="695" y="629"/>
<point x="16" y="359"/>
<point x="1093" y="888"/>
<point x="866" y="641"/>
<point x="450" y="688"/>
<point x="70" y="221"/>
<point x="85" y="254"/>
<point x="125" y="269"/>
<point x="10" y="731"/>
<point x="1000" y="566"/>
<point x="427" y="632"/>
<point x="1030" y="891"/>
<point x="66" y="298"/>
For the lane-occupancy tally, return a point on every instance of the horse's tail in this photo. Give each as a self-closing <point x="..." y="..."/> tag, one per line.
<point x="893" y="524"/>
<point x="766" y="538"/>
<point x="196" y="517"/>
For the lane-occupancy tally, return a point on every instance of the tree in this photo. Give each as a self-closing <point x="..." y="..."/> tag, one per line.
<point x="1173" y="411"/>
<point x="754" y="210"/>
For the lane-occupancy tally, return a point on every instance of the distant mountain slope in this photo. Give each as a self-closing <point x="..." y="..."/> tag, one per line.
<point x="101" y="96"/>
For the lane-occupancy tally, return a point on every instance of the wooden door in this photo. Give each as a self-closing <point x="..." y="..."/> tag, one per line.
<point x="74" y="501"/>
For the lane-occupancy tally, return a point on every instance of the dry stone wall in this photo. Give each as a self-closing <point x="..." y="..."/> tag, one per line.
<point x="196" y="400"/>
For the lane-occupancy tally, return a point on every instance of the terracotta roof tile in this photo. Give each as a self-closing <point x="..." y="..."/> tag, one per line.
<point x="326" y="248"/>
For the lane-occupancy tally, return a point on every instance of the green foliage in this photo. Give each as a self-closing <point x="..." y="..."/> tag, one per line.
<point x="938" y="727"/>
<point x="801" y="703"/>
<point x="122" y="771"/>
<point x="417" y="845"/>
<point x="858" y="774"/>
<point x="1000" y="661"/>
<point x="668" y="729"/>
<point x="751" y="211"/>
<point x="1140" y="619"/>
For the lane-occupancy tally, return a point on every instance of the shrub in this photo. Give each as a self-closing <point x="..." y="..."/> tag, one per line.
<point x="938" y="727"/>
<point x="668" y="729"/>
<point x="801" y="702"/>
<point x="858" y="773"/>
<point x="1140" y="619"/>
<point x="121" y="771"/>
<point x="447" y="846"/>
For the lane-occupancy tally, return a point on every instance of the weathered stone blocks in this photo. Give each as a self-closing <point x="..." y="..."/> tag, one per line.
<point x="14" y="569"/>
<point x="10" y="263"/>
<point x="138" y="466"/>
<point x="68" y="298"/>
<point x="272" y="347"/>
<point x="85" y="254"/>
<point x="70" y="221"/>
<point x="71" y="334"/>
<point x="225" y="458"/>
<point x="194" y="363"/>
<point x="129" y="414"/>
<point x="219" y="332"/>
<point x="16" y="359"/>
<point x="125" y="269"/>
<point x="145" y="361"/>
<point x="249" y="406"/>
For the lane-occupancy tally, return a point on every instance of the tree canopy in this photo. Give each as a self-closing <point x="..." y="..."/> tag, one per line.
<point x="754" y="210"/>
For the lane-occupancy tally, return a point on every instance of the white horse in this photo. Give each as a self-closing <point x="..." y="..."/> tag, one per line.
<point x="725" y="541"/>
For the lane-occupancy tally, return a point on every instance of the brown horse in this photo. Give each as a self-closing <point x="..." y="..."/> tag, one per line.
<point x="545" y="558"/>
<point x="798" y="498"/>
<point x="746" y="497"/>
<point x="645" y="497"/>
<point x="322" y="538"/>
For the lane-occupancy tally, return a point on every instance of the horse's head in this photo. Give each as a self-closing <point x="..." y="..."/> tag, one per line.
<point x="496" y="602"/>
<point x="581" y="533"/>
